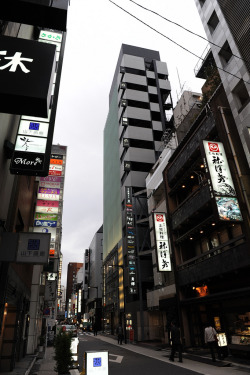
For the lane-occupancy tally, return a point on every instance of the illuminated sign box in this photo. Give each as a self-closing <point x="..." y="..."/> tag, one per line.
<point x="97" y="363"/>
<point x="43" y="13"/>
<point x="26" y="73"/>
<point x="162" y="242"/>
<point x="33" y="248"/>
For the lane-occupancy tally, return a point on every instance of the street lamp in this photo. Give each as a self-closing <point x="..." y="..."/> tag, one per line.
<point x="124" y="300"/>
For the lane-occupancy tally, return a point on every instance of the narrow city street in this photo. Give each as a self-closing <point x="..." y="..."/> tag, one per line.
<point x="124" y="362"/>
<point x="135" y="359"/>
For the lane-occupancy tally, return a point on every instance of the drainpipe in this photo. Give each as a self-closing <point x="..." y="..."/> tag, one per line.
<point x="221" y="109"/>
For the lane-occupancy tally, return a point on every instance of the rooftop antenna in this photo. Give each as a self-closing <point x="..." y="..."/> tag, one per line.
<point x="181" y="86"/>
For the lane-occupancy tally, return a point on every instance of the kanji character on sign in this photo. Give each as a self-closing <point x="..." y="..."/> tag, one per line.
<point x="15" y="61"/>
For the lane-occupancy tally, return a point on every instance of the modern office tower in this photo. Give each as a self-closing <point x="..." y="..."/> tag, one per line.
<point x="226" y="23"/>
<point x="136" y="122"/>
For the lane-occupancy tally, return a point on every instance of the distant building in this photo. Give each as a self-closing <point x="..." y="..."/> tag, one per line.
<point x="72" y="271"/>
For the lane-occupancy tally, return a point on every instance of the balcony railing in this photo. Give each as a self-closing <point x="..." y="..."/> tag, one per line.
<point x="191" y="206"/>
<point x="231" y="255"/>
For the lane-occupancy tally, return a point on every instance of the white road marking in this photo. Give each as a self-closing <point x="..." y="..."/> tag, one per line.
<point x="117" y="359"/>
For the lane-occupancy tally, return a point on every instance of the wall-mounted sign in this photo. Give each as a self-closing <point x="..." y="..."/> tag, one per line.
<point x="52" y="185"/>
<point x="33" y="128"/>
<point x="45" y="223"/>
<point x="221" y="182"/>
<point x="228" y="208"/>
<point x="30" y="144"/>
<point x="50" y="290"/>
<point x="33" y="248"/>
<point x="46" y="13"/>
<point x="130" y="241"/>
<point x="35" y="132"/>
<point x="56" y="161"/>
<point x="55" y="173"/>
<point x="51" y="179"/>
<point x="50" y="217"/>
<point x="52" y="197"/>
<point x="162" y="242"/>
<point x="48" y="191"/>
<point x="219" y="169"/>
<point x="52" y="232"/>
<point x="26" y="72"/>
<point x="45" y="209"/>
<point x="55" y="167"/>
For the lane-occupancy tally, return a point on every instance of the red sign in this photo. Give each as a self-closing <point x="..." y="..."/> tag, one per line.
<point x="55" y="173"/>
<point x="160" y="218"/>
<point x="45" y="203"/>
<point x="213" y="147"/>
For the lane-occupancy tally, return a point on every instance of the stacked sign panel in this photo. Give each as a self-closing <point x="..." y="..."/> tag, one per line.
<point x="48" y="212"/>
<point x="162" y="242"/>
<point x="130" y="241"/>
<point x="34" y="137"/>
<point x="221" y="182"/>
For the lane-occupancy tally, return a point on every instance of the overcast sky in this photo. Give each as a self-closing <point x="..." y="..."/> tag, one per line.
<point x="95" y="31"/>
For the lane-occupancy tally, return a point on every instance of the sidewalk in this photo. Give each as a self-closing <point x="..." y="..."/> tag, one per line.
<point x="44" y="363"/>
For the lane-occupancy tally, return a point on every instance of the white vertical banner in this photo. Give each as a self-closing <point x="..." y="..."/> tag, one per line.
<point x="219" y="169"/>
<point x="162" y="242"/>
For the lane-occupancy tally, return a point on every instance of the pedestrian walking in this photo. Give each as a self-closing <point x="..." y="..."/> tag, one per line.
<point x="119" y="332"/>
<point x="95" y="329"/>
<point x="211" y="340"/>
<point x="175" y="336"/>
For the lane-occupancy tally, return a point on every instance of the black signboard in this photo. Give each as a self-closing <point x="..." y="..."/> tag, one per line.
<point x="44" y="13"/>
<point x="26" y="74"/>
<point x="27" y="161"/>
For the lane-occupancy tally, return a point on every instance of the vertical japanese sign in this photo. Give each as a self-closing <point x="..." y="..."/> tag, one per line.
<point x="50" y="290"/>
<point x="34" y="137"/>
<point x="221" y="183"/>
<point x="162" y="242"/>
<point x="130" y="241"/>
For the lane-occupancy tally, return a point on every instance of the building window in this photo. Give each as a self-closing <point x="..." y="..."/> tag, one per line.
<point x="225" y="53"/>
<point x="241" y="95"/>
<point x="213" y="22"/>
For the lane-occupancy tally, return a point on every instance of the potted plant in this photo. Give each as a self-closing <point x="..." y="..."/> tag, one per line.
<point x="63" y="354"/>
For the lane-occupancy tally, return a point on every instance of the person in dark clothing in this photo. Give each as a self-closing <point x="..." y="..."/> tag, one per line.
<point x="95" y="329"/>
<point x="119" y="332"/>
<point x="175" y="336"/>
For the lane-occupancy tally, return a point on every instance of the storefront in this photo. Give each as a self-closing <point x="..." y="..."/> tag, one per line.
<point x="230" y="315"/>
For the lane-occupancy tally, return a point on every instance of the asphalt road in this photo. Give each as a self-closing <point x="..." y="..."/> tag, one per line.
<point x="126" y="362"/>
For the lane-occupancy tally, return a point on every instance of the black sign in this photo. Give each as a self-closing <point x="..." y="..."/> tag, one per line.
<point x="44" y="13"/>
<point x="56" y="156"/>
<point x="27" y="161"/>
<point x="26" y="75"/>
